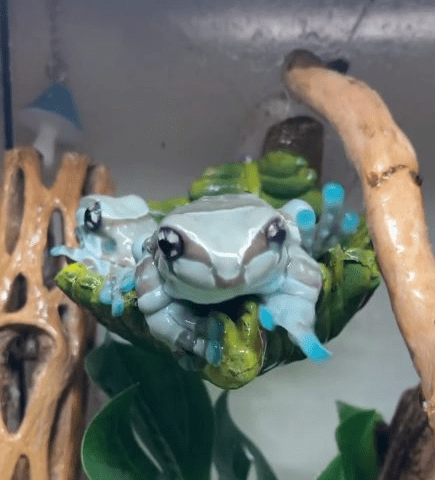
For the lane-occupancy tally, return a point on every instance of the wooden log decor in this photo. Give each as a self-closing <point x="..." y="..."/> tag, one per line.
<point x="43" y="334"/>
<point x="389" y="172"/>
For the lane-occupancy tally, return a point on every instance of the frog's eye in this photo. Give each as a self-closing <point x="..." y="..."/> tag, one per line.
<point x="93" y="217"/>
<point x="276" y="232"/>
<point x="170" y="243"/>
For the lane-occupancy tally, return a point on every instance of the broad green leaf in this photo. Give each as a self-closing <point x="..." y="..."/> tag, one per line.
<point x="172" y="405"/>
<point x="358" y="458"/>
<point x="281" y="164"/>
<point x="291" y="186"/>
<point x="109" y="448"/>
<point x="233" y="452"/>
<point x="334" y="471"/>
<point x="357" y="443"/>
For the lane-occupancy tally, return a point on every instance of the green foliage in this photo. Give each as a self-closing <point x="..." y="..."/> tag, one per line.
<point x="84" y="287"/>
<point x="234" y="453"/>
<point x="277" y="178"/>
<point x="159" y="423"/>
<point x="350" y="276"/>
<point x="159" y="209"/>
<point x="358" y="458"/>
<point x="227" y="178"/>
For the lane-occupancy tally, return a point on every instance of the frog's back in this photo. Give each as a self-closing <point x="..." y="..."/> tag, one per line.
<point x="227" y="201"/>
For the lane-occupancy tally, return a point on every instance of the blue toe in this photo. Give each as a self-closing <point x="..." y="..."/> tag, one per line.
<point x="127" y="285"/>
<point x="266" y="318"/>
<point x="106" y="294"/>
<point x="215" y="329"/>
<point x="333" y="194"/>
<point x="117" y="308"/>
<point x="213" y="354"/>
<point x="311" y="346"/>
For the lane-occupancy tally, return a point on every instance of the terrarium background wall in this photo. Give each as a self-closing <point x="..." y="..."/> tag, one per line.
<point x="166" y="90"/>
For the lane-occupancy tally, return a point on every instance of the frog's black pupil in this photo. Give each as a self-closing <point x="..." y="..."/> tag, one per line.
<point x="93" y="217"/>
<point x="276" y="232"/>
<point x="170" y="243"/>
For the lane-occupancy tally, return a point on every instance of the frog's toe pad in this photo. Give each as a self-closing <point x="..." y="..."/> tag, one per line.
<point x="117" y="308"/>
<point x="313" y="349"/>
<point x="215" y="329"/>
<point x="106" y="293"/>
<point x="213" y="353"/>
<point x="266" y="318"/>
<point x="127" y="285"/>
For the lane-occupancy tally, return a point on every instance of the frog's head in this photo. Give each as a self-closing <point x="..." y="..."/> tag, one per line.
<point x="100" y="217"/>
<point x="220" y="247"/>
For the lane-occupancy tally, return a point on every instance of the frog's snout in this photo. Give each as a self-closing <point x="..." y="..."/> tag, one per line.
<point x="229" y="273"/>
<point x="222" y="282"/>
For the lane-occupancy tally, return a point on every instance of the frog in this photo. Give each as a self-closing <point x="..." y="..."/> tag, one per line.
<point x="106" y="229"/>
<point x="218" y="248"/>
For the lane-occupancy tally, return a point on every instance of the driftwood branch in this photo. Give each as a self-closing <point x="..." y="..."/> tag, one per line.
<point x="408" y="442"/>
<point x="388" y="169"/>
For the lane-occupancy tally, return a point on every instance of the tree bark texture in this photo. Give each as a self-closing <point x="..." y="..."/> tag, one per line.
<point x="408" y="442"/>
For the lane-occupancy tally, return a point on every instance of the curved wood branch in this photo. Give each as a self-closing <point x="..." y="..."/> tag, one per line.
<point x="388" y="169"/>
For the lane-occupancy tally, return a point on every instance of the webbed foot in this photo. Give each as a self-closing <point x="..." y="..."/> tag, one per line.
<point x="335" y="223"/>
<point x="296" y="315"/>
<point x="204" y="340"/>
<point x="59" y="250"/>
<point x="113" y="290"/>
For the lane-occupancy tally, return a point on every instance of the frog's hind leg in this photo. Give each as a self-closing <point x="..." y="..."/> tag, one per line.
<point x="297" y="316"/>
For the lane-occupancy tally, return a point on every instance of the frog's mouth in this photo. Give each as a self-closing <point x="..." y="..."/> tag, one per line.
<point x="217" y="282"/>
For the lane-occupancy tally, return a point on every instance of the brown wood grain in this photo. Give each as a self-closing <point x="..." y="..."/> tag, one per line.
<point x="388" y="169"/>
<point x="39" y="325"/>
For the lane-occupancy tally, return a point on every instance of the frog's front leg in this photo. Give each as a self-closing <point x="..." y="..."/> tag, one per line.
<point x="182" y="331"/>
<point x="84" y="256"/>
<point x="297" y="316"/>
<point x="76" y="254"/>
<point x="172" y="322"/>
<point x="121" y="281"/>
<point x="293" y="305"/>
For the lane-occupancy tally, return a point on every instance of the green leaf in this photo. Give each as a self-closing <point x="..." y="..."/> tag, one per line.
<point x="357" y="443"/>
<point x="233" y="452"/>
<point x="356" y="439"/>
<point x="290" y="186"/>
<point x="172" y="413"/>
<point x="109" y="449"/>
<point x="228" y="178"/>
<point x="278" y="163"/>
<point x="334" y="471"/>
